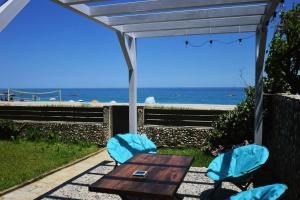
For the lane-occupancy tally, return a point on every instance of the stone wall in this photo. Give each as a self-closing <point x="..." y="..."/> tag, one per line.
<point x="175" y="136"/>
<point x="94" y="132"/>
<point x="164" y="136"/>
<point x="72" y="131"/>
<point x="282" y="137"/>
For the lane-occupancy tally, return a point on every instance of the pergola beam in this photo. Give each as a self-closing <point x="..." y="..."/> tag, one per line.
<point x="159" y="18"/>
<point x="9" y="10"/>
<point x="195" y="31"/>
<point x="128" y="45"/>
<point x="269" y="12"/>
<point x="84" y="11"/>
<point x="261" y="38"/>
<point x="159" y="5"/>
<point x="187" y="15"/>
<point x="188" y="24"/>
<point x="71" y="2"/>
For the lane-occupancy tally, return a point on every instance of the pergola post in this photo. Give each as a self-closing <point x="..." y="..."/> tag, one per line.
<point x="261" y="37"/>
<point x="128" y="45"/>
<point x="9" y="10"/>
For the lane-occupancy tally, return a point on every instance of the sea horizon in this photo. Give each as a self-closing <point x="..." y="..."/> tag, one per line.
<point x="172" y="95"/>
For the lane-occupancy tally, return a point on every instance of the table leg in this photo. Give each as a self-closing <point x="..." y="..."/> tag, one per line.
<point x="177" y="197"/>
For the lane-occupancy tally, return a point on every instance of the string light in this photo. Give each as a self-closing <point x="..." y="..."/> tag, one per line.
<point x="186" y="43"/>
<point x="200" y="45"/>
<point x="240" y="41"/>
<point x="211" y="42"/>
<point x="274" y="23"/>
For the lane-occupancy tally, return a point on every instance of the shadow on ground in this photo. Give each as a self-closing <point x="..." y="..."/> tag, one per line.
<point x="195" y="186"/>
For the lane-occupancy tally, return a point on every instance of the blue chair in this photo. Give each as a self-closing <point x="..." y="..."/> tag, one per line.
<point x="237" y="165"/>
<point x="269" y="192"/>
<point x="122" y="147"/>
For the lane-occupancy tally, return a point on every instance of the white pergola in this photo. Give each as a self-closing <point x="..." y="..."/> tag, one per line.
<point x="159" y="18"/>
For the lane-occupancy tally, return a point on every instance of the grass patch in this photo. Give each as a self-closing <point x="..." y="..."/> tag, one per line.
<point x="24" y="160"/>
<point x="201" y="159"/>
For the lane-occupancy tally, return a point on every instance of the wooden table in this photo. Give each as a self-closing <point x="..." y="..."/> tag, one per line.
<point x="165" y="174"/>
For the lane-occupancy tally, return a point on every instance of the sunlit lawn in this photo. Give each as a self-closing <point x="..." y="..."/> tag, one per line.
<point x="23" y="160"/>
<point x="201" y="159"/>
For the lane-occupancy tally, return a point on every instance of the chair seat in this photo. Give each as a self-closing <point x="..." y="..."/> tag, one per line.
<point x="269" y="192"/>
<point x="237" y="162"/>
<point x="122" y="147"/>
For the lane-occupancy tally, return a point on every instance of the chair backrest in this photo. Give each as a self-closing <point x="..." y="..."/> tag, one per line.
<point x="122" y="147"/>
<point x="237" y="162"/>
<point x="269" y="192"/>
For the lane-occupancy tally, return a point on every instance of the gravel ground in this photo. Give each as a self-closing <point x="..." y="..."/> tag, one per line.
<point x="195" y="186"/>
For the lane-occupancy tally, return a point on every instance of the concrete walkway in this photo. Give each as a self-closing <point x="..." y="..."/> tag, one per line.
<point x="72" y="183"/>
<point x="47" y="183"/>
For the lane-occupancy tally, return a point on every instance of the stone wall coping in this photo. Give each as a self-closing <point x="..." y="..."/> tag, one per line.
<point x="292" y="96"/>
<point x="154" y="106"/>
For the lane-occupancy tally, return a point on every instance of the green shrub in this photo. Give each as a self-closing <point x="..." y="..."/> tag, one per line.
<point x="234" y="127"/>
<point x="282" y="68"/>
<point x="9" y="130"/>
<point x="283" y="62"/>
<point x="33" y="134"/>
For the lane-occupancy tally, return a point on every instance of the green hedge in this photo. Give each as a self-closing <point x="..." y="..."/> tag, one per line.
<point x="234" y="127"/>
<point x="9" y="130"/>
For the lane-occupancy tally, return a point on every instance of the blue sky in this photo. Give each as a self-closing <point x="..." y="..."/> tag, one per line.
<point x="48" y="46"/>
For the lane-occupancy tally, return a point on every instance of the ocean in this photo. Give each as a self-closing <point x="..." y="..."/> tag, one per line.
<point x="226" y="96"/>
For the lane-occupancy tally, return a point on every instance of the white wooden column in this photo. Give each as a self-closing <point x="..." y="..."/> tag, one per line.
<point x="128" y="45"/>
<point x="9" y="10"/>
<point x="261" y="36"/>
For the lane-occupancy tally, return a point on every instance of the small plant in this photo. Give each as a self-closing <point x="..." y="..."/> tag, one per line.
<point x="233" y="127"/>
<point x="9" y="130"/>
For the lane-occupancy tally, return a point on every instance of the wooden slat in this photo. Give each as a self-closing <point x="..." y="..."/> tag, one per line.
<point x="194" y="31"/>
<point x="53" y="108"/>
<point x="188" y="24"/>
<point x="195" y="118"/>
<point x="186" y="15"/>
<point x="51" y="113"/>
<point x="75" y="114"/>
<point x="84" y="11"/>
<point x="181" y="117"/>
<point x="184" y="112"/>
<point x="159" y="5"/>
<point x="56" y="118"/>
<point x="178" y="123"/>
<point x="71" y="2"/>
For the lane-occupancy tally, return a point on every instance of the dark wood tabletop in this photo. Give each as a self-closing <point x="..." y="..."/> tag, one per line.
<point x="165" y="174"/>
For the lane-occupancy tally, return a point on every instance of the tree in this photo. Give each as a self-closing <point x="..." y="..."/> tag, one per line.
<point x="282" y="68"/>
<point x="283" y="62"/>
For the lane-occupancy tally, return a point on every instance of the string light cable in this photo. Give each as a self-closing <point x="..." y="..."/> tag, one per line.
<point x="274" y="23"/>
<point x="240" y="40"/>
